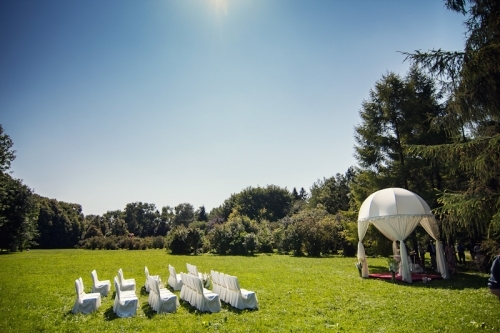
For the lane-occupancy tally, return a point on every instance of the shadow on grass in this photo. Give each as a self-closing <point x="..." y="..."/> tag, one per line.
<point x="458" y="281"/>
<point x="224" y="306"/>
<point x="143" y="291"/>
<point x="229" y="308"/>
<point x="148" y="310"/>
<point x="110" y="315"/>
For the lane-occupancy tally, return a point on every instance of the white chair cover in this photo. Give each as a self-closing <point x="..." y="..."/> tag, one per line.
<point x="103" y="287"/>
<point x="161" y="299"/>
<point x="174" y="280"/>
<point x="221" y="281"/>
<point x="240" y="298"/>
<point x="125" y="284"/>
<point x="146" y="283"/>
<point x="192" y="291"/>
<point x="126" y="302"/>
<point x="215" y="283"/>
<point x="193" y="270"/>
<point x="85" y="303"/>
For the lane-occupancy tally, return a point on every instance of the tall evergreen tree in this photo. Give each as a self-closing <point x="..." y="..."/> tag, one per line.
<point x="471" y="79"/>
<point x="397" y="115"/>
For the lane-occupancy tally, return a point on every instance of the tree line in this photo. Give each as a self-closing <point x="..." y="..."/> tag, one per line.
<point x="434" y="130"/>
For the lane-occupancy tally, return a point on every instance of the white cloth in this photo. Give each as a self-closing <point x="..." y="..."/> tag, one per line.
<point x="146" y="283"/>
<point x="125" y="284"/>
<point x="193" y="270"/>
<point x="429" y="224"/>
<point x="193" y="292"/>
<point x="160" y="299"/>
<point x="85" y="303"/>
<point x="126" y="302"/>
<point x="174" y="280"/>
<point x="240" y="298"/>
<point x="396" y="212"/>
<point x="100" y="286"/>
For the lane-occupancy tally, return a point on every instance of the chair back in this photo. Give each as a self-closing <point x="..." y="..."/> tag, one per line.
<point x="192" y="269"/>
<point x="146" y="271"/>
<point x="78" y="287"/>
<point x="82" y="288"/>
<point x="155" y="285"/>
<point x="120" y="276"/>
<point x="95" y="280"/>
<point x="117" y="287"/>
<point x="172" y="271"/>
<point x="198" y="285"/>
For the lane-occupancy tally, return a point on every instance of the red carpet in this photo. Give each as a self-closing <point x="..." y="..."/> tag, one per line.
<point x="414" y="276"/>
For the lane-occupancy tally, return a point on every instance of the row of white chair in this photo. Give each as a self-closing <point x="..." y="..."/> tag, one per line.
<point x="228" y="288"/>
<point x="194" y="293"/>
<point x="225" y="288"/>
<point x="161" y="299"/>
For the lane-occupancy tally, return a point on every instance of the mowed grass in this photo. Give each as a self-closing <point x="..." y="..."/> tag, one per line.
<point x="37" y="294"/>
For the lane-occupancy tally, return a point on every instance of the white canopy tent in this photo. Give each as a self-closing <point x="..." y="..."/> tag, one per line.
<point x="396" y="212"/>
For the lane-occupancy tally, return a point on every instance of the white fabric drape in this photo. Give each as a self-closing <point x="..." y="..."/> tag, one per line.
<point x="430" y="225"/>
<point x="398" y="227"/>
<point x="85" y="303"/>
<point x="362" y="228"/>
<point x="126" y="302"/>
<point x="174" y="280"/>
<point x="192" y="291"/>
<point x="161" y="300"/>
<point x="240" y="298"/>
<point x="100" y="286"/>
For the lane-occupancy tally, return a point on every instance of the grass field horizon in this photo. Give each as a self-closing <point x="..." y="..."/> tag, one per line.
<point x="296" y="294"/>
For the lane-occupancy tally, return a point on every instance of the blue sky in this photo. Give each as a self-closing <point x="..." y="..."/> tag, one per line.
<point x="166" y="102"/>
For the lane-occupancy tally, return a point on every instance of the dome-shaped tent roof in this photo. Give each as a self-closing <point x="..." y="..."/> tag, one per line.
<point x="393" y="201"/>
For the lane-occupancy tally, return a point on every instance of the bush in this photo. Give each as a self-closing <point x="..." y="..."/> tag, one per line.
<point x="182" y="240"/>
<point x="158" y="242"/>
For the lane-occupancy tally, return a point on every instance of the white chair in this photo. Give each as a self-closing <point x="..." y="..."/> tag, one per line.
<point x="125" y="284"/>
<point x="103" y="287"/>
<point x="193" y="270"/>
<point x="174" y="280"/>
<point x="215" y="283"/>
<point x="161" y="299"/>
<point x="206" y="300"/>
<point x="126" y="302"/>
<point x="192" y="291"/>
<point x="240" y="298"/>
<point x="146" y="284"/>
<point x="85" y="303"/>
<point x="223" y="287"/>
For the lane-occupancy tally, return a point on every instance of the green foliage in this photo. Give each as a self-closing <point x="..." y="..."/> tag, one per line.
<point x="61" y="224"/>
<point x="398" y="114"/>
<point x="332" y="193"/>
<point x="7" y="155"/>
<point x="231" y="237"/>
<point x="18" y="214"/>
<point x="184" y="214"/>
<point x="472" y="81"/>
<point x="265" y="240"/>
<point x="182" y="240"/>
<point x="311" y="231"/>
<point x="141" y="218"/>
<point x="270" y="203"/>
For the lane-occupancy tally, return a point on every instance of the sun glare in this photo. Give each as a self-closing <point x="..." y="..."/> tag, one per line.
<point x="220" y="6"/>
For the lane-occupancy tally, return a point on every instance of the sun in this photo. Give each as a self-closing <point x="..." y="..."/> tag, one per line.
<point x="220" y="6"/>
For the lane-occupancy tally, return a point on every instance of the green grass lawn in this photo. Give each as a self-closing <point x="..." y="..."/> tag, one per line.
<point x="37" y="294"/>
